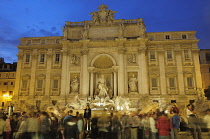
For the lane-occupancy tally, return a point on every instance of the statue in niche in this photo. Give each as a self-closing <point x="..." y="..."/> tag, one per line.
<point x="75" y="85"/>
<point x="132" y="58"/>
<point x="101" y="87"/>
<point x="74" y="59"/>
<point x="85" y="31"/>
<point x="133" y="84"/>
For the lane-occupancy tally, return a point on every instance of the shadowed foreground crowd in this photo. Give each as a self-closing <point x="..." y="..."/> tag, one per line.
<point x="152" y="125"/>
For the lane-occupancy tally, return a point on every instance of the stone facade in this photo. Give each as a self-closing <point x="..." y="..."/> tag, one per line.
<point x="205" y="67"/>
<point x="143" y="66"/>
<point x="7" y="82"/>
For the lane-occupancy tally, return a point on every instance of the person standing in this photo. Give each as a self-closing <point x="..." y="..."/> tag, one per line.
<point x="44" y="126"/>
<point x="80" y="125"/>
<point x="206" y="119"/>
<point x="134" y="122"/>
<point x="87" y="116"/>
<point x="32" y="126"/>
<point x="194" y="125"/>
<point x="67" y="117"/>
<point x="7" y="128"/>
<point x="163" y="126"/>
<point x="126" y="128"/>
<point x="152" y="121"/>
<point x="2" y="125"/>
<point x="175" y="124"/>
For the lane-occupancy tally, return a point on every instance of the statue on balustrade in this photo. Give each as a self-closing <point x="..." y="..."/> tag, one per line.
<point x="133" y="84"/>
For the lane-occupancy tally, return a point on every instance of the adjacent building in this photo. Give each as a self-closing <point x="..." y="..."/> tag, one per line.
<point x="116" y="55"/>
<point x="205" y="70"/>
<point x="7" y="82"/>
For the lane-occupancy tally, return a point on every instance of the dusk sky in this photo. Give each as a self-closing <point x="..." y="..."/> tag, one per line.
<point x="40" y="18"/>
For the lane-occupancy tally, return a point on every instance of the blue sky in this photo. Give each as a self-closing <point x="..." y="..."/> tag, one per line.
<point x="39" y="18"/>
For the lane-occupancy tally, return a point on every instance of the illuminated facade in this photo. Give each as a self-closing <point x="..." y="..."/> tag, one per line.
<point x="205" y="70"/>
<point x="7" y="82"/>
<point x="143" y="66"/>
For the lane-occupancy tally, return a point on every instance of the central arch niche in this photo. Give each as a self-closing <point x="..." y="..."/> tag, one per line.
<point x="103" y="64"/>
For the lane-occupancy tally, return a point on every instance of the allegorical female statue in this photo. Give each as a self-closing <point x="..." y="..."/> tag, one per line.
<point x="75" y="85"/>
<point x="101" y="85"/>
<point x="133" y="84"/>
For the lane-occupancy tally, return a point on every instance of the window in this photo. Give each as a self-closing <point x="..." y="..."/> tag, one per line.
<point x="12" y="83"/>
<point x="152" y="55"/>
<point x="151" y="38"/>
<point x="5" y="83"/>
<point x="39" y="83"/>
<point x="24" y="84"/>
<point x="207" y="57"/>
<point x="57" y="58"/>
<point x="6" y="74"/>
<point x="13" y="74"/>
<point x="29" y="42"/>
<point x="167" y="37"/>
<point x="184" y="36"/>
<point x="27" y="58"/>
<point x="55" y="83"/>
<point x="169" y="54"/>
<point x="189" y="82"/>
<point x="43" y="42"/>
<point x="154" y="83"/>
<point x="186" y="54"/>
<point x="10" y="93"/>
<point x="172" y="83"/>
<point x="42" y="56"/>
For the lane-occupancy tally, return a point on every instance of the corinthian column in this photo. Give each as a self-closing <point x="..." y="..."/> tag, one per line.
<point x="121" y="76"/>
<point x="85" y="76"/>
<point x="18" y="76"/>
<point x="64" y="74"/>
<point x="143" y="80"/>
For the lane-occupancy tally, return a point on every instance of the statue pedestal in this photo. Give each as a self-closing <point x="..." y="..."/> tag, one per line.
<point x="133" y="93"/>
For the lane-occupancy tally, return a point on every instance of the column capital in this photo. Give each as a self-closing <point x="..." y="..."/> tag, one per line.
<point x="20" y="56"/>
<point x="121" y="50"/>
<point x="50" y="55"/>
<point x="142" y="50"/>
<point x="196" y="51"/>
<point x="85" y="52"/>
<point x="161" y="52"/>
<point x="178" y="52"/>
<point x="64" y="52"/>
<point x="34" y="56"/>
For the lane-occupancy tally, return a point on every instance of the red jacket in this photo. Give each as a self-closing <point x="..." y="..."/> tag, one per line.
<point x="163" y="126"/>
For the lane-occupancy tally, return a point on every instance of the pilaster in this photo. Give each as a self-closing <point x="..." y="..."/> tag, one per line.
<point x="198" y="77"/>
<point x="33" y="71"/>
<point x="179" y="67"/>
<point x="162" y="71"/>
<point x="48" y="72"/>
<point x="18" y="74"/>
<point x="143" y="80"/>
<point x="64" y="74"/>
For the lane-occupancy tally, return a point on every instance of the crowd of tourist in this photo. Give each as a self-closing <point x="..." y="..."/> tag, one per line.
<point x="150" y="125"/>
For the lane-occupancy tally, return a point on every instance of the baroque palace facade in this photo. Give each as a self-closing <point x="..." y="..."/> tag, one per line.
<point x="144" y="66"/>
